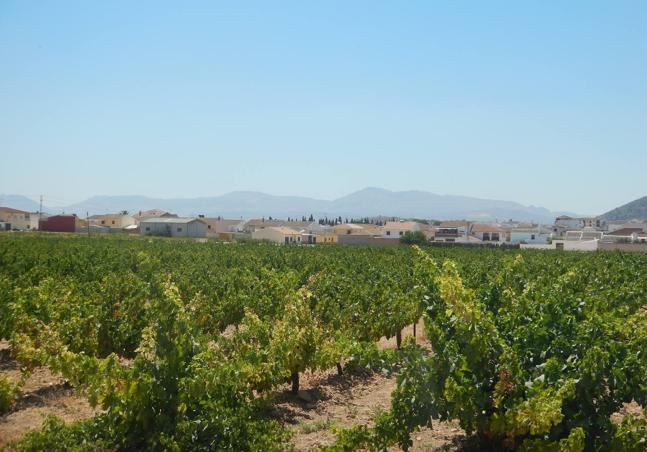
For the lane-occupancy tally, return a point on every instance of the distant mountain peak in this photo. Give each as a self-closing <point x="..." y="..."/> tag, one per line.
<point x="634" y="209"/>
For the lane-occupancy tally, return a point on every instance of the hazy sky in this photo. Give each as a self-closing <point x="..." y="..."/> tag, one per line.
<point x="543" y="103"/>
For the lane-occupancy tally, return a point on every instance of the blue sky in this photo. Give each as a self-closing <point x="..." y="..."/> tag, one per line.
<point x="543" y="103"/>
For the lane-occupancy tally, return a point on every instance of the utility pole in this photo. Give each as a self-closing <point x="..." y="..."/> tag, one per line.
<point x="40" y="211"/>
<point x="87" y="221"/>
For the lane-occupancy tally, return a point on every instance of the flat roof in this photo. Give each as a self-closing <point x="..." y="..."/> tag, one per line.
<point x="171" y="220"/>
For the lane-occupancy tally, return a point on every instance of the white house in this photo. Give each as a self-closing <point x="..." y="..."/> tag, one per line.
<point x="219" y="225"/>
<point x="18" y="219"/>
<point x="530" y="235"/>
<point x="625" y="235"/>
<point x="571" y="223"/>
<point x="452" y="231"/>
<point x="488" y="233"/>
<point x="173" y="227"/>
<point x="613" y="226"/>
<point x="582" y="236"/>
<point x="396" y="229"/>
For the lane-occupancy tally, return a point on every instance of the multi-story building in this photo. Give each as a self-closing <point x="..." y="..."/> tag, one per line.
<point x="18" y="219"/>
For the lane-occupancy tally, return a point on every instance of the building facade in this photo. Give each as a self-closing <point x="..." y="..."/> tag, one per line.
<point x="61" y="223"/>
<point x="113" y="221"/>
<point x="396" y="229"/>
<point x="278" y="234"/>
<point x="530" y="235"/>
<point x="173" y="227"/>
<point x="18" y="219"/>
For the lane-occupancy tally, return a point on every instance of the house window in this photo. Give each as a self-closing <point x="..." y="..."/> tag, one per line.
<point x="401" y="232"/>
<point x="179" y="229"/>
<point x="388" y="232"/>
<point x="103" y="221"/>
<point x="113" y="221"/>
<point x="532" y="237"/>
<point x="486" y="236"/>
<point x="495" y="236"/>
<point x="148" y="228"/>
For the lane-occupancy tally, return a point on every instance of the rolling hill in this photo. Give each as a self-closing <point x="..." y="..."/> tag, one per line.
<point x="629" y="211"/>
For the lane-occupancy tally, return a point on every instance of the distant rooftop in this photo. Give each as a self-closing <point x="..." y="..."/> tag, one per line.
<point x="11" y="210"/>
<point x="171" y="220"/>
<point x="484" y="227"/>
<point x="453" y="224"/>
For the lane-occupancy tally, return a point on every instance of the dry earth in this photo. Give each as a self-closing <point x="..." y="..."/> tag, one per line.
<point x="43" y="394"/>
<point x="327" y="400"/>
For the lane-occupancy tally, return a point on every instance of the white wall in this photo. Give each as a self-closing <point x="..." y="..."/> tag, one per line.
<point x="188" y="229"/>
<point x="500" y="239"/>
<point x="525" y="236"/>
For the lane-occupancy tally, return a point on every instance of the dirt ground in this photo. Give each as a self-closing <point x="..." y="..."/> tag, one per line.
<point x="327" y="399"/>
<point x="42" y="395"/>
<point x="421" y="339"/>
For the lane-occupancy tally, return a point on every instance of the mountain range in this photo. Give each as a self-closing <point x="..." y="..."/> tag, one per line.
<point x="366" y="202"/>
<point x="629" y="211"/>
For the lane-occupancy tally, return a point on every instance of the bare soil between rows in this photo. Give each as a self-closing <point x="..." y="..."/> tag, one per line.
<point x="42" y="395"/>
<point x="327" y="399"/>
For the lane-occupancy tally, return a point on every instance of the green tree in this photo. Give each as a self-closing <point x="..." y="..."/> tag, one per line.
<point x="413" y="238"/>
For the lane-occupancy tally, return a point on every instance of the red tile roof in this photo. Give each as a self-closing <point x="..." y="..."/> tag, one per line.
<point x="626" y="231"/>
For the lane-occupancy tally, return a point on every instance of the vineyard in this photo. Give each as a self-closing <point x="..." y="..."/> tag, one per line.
<point x="178" y="345"/>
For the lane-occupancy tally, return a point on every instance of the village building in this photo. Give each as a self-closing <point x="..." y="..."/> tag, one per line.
<point x="351" y="229"/>
<point x="261" y="223"/>
<point x="533" y="234"/>
<point x="625" y="235"/>
<point x="62" y="223"/>
<point x="452" y="231"/>
<point x="173" y="227"/>
<point x="152" y="213"/>
<point x="278" y="234"/>
<point x="396" y="229"/>
<point x="113" y="221"/>
<point x="14" y="219"/>
<point x="218" y="226"/>
<point x="490" y="233"/>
